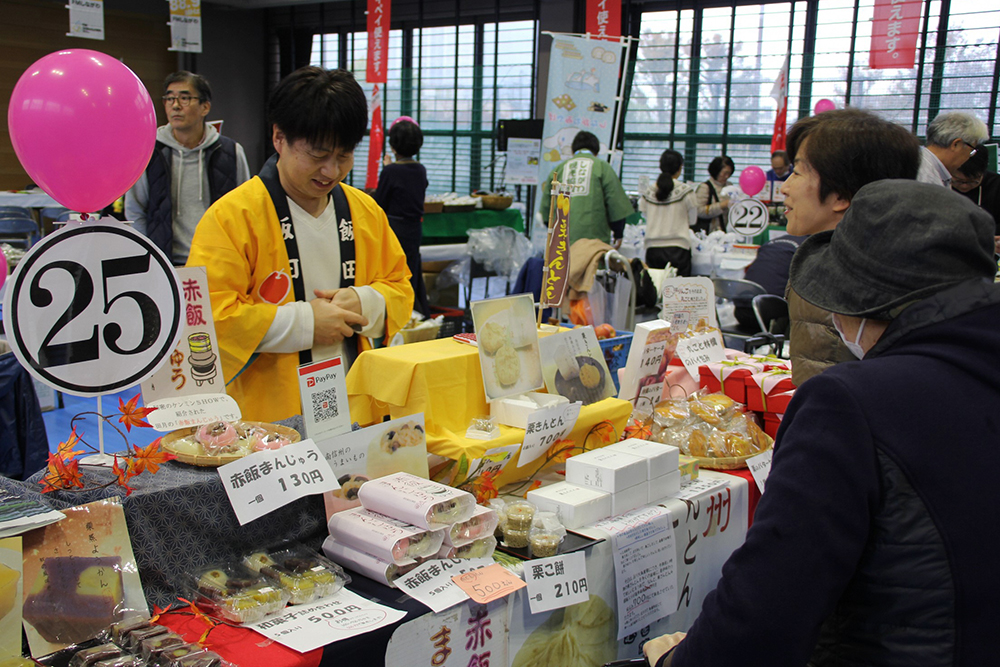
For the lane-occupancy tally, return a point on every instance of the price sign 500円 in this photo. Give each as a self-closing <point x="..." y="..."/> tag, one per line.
<point x="93" y="308"/>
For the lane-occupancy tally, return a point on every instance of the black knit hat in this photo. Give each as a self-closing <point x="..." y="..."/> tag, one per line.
<point x="899" y="242"/>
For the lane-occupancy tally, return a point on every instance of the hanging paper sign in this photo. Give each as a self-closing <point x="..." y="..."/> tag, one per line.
<point x="93" y="308"/>
<point x="895" y="28"/>
<point x="522" y="161"/>
<point x="323" y="388"/>
<point x="604" y="19"/>
<point x="185" y="26"/>
<point x="698" y="349"/>
<point x="86" y="19"/>
<point x="378" y="40"/>
<point x="376" y="139"/>
<point x="556" y="582"/>
<point x="557" y="254"/>
<point x="262" y="482"/>
<point x="748" y="217"/>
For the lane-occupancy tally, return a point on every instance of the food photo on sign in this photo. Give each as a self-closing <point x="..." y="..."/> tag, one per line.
<point x="508" y="345"/>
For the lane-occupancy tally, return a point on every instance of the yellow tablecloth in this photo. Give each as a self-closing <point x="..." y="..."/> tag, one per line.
<point x="443" y="379"/>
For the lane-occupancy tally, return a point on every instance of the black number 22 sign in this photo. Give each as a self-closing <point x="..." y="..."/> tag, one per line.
<point x="93" y="308"/>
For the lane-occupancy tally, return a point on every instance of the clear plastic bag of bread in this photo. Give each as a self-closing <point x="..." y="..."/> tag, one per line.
<point x="708" y="426"/>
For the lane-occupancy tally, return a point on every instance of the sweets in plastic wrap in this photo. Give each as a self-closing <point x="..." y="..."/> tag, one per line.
<point x="237" y="594"/>
<point x="306" y="575"/>
<point x="481" y="548"/>
<point x="384" y="537"/>
<point x="482" y="523"/>
<point x="374" y="568"/>
<point x="417" y="501"/>
<point x="91" y="656"/>
<point x="709" y="426"/>
<point x="154" y="646"/>
<point x="119" y="632"/>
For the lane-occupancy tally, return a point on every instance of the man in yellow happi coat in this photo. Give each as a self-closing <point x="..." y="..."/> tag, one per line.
<point x="301" y="267"/>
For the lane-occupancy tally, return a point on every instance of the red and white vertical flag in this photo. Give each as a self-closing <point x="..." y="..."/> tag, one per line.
<point x="604" y="19"/>
<point x="378" y="51"/>
<point x="780" y="94"/>
<point x="895" y="28"/>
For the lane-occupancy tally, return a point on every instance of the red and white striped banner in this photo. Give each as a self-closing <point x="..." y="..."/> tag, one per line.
<point x="895" y="28"/>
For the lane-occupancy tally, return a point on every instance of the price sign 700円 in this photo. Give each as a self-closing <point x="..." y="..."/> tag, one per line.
<point x="93" y="308"/>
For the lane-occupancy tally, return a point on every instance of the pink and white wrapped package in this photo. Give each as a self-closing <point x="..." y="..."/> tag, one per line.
<point x="421" y="502"/>
<point x="384" y="537"/>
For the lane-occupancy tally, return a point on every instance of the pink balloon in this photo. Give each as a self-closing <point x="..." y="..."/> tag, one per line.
<point x="752" y="180"/>
<point x="823" y="105"/>
<point x="83" y="127"/>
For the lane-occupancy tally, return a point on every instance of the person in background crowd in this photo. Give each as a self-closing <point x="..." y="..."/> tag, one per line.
<point x="400" y="192"/>
<point x="952" y="138"/>
<point x="712" y="206"/>
<point x="670" y="209"/>
<point x="298" y="262"/>
<point x="769" y="269"/>
<point x="863" y="550"/>
<point x="598" y="205"/>
<point x="981" y="186"/>
<point x="780" y="167"/>
<point x="834" y="154"/>
<point x="191" y="167"/>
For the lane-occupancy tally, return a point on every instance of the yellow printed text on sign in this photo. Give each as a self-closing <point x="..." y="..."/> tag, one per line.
<point x="185" y="7"/>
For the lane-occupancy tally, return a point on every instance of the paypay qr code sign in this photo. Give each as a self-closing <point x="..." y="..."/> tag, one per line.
<point x="324" y="391"/>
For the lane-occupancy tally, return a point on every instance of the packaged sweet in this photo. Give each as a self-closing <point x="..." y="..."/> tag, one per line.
<point x="227" y="439"/>
<point x="306" y="575"/>
<point x="520" y="514"/>
<point x="202" y="659"/>
<point x="91" y="656"/>
<point x="136" y="637"/>
<point x="716" y="428"/>
<point x="152" y="648"/>
<point x="420" y="502"/>
<point x="170" y="655"/>
<point x="482" y="523"/>
<point x="119" y="632"/>
<point x="123" y="661"/>
<point x="515" y="538"/>
<point x="237" y="594"/>
<point x="382" y="571"/>
<point x="480" y="548"/>
<point x="384" y="537"/>
<point x="546" y="534"/>
<point x="499" y="506"/>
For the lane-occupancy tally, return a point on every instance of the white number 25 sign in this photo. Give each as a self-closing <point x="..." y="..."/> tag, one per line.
<point x="93" y="308"/>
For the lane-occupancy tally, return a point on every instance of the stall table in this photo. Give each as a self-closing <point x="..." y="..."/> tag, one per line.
<point x="454" y="227"/>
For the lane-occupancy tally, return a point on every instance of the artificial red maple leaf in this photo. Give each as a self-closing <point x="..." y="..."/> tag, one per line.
<point x="149" y="458"/>
<point x="122" y="476"/>
<point x="560" y="450"/>
<point x="534" y="485"/>
<point x="62" y="473"/>
<point x="132" y="415"/>
<point x="484" y="486"/>
<point x="65" y="450"/>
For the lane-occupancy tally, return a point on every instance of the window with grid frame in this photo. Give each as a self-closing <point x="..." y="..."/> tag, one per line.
<point x="708" y="92"/>
<point x="461" y="81"/>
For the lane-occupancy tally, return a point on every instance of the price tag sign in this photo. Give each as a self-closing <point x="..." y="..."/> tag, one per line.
<point x="174" y="413"/>
<point x="93" y="308"/>
<point x="264" y="481"/>
<point x="431" y="583"/>
<point x="556" y="582"/>
<point x="488" y="583"/>
<point x="748" y="217"/>
<point x="323" y="387"/>
<point x="699" y="349"/>
<point x="686" y="301"/>
<point x="546" y="426"/>
<point x="760" y="467"/>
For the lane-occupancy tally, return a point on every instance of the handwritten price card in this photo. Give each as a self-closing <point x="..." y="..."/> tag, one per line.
<point x="556" y="582"/>
<point x="488" y="584"/>
<point x="264" y="481"/>
<point x="545" y="426"/>
<point x="699" y="349"/>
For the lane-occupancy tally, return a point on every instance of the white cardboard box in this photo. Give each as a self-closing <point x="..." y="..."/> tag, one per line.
<point x="606" y="470"/>
<point x="576" y="506"/>
<point x="662" y="459"/>
<point x="629" y="499"/>
<point x="515" y="410"/>
<point x="661" y="487"/>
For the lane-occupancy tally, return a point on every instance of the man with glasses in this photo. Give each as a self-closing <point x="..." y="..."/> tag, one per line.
<point x="191" y="167"/>
<point x="980" y="185"/>
<point x="952" y="138"/>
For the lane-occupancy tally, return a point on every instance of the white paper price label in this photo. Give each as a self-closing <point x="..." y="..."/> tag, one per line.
<point x="545" y="427"/>
<point x="556" y="582"/>
<point x="431" y="582"/>
<point x="264" y="481"/>
<point x="323" y="387"/>
<point x="686" y="301"/>
<point x="93" y="308"/>
<point x="760" y="467"/>
<point x="174" y="413"/>
<point x="699" y="349"/>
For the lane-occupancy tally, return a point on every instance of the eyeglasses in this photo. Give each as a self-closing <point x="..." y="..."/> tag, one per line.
<point x="185" y="100"/>
<point x="968" y="183"/>
<point x="974" y="148"/>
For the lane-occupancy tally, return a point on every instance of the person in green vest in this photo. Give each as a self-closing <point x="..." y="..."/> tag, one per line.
<point x="598" y="204"/>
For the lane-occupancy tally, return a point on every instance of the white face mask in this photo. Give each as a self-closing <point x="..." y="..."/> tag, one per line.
<point x="855" y="346"/>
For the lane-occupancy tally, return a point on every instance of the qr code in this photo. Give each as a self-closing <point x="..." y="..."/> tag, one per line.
<point x="325" y="405"/>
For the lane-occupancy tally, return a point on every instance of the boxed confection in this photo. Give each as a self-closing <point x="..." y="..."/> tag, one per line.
<point x="778" y="403"/>
<point x="482" y="523"/>
<point x="605" y="470"/>
<point x="662" y="487"/>
<point x="661" y="459"/>
<point x="515" y="410"/>
<point x="688" y="467"/>
<point x="728" y="377"/>
<point x="629" y="499"/>
<point x="761" y="387"/>
<point x="374" y="568"/>
<point x="384" y="537"/>
<point x="417" y="501"/>
<point x="772" y="421"/>
<point x="576" y="506"/>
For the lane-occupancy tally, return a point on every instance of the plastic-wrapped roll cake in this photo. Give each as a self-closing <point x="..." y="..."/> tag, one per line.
<point x="417" y="501"/>
<point x="384" y="537"/>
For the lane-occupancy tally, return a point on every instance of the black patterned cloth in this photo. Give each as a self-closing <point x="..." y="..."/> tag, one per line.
<point x="180" y="521"/>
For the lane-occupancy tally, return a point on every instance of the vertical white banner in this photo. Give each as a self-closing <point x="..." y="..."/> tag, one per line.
<point x="86" y="19"/>
<point x="185" y="26"/>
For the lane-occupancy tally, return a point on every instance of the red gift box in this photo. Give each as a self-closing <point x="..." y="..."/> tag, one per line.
<point x="728" y="377"/>
<point x="761" y="388"/>
<point x="772" y="421"/>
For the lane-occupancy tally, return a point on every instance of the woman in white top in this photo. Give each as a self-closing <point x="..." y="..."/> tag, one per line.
<point x="712" y="206"/>
<point x="670" y="208"/>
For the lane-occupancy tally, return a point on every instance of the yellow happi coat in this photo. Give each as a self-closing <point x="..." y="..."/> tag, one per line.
<point x="239" y="240"/>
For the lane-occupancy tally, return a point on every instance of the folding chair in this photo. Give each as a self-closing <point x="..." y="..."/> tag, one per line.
<point x="18" y="231"/>
<point x="741" y="293"/>
<point x="771" y="312"/>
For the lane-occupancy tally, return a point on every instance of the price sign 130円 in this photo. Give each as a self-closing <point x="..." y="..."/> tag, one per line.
<point x="93" y="308"/>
